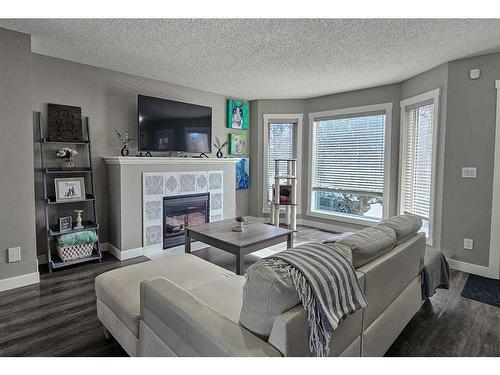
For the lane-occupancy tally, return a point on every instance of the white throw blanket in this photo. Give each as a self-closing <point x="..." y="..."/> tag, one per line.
<point x="327" y="286"/>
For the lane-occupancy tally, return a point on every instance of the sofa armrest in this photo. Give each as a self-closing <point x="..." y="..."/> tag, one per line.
<point x="189" y="327"/>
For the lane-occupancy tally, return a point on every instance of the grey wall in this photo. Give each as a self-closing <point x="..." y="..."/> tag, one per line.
<point x="110" y="100"/>
<point x="17" y="206"/>
<point x="469" y="142"/>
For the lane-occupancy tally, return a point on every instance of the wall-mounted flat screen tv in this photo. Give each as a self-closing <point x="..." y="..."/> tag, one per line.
<point x="167" y="125"/>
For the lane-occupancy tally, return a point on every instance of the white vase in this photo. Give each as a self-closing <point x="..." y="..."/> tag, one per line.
<point x="68" y="164"/>
<point x="78" y="221"/>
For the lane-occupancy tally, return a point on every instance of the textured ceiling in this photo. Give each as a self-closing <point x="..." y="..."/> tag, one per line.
<point x="264" y="58"/>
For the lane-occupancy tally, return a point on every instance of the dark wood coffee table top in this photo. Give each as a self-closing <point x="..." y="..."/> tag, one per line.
<point x="254" y="232"/>
<point x="256" y="236"/>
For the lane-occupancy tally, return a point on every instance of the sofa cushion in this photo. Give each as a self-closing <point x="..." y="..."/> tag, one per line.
<point x="223" y="295"/>
<point x="405" y="226"/>
<point x="266" y="295"/>
<point x="120" y="289"/>
<point x="369" y="243"/>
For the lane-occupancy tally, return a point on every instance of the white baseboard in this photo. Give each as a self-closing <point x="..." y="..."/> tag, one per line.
<point x="19" y="281"/>
<point x="125" y="254"/>
<point x="469" y="268"/>
<point x="151" y="252"/>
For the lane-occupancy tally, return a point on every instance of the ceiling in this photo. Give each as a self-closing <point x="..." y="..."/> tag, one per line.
<point x="263" y="58"/>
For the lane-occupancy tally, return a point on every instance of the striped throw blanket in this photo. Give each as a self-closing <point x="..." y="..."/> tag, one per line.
<point x="327" y="286"/>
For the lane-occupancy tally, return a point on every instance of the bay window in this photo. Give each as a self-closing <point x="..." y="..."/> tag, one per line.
<point x="349" y="163"/>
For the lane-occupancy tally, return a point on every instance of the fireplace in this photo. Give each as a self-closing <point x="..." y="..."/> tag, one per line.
<point x="176" y="209"/>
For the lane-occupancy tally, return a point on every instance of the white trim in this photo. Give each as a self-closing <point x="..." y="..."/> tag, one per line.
<point x="113" y="250"/>
<point x="156" y="160"/>
<point x="19" y="281"/>
<point x="299" y="117"/>
<point x="434" y="96"/>
<point x="125" y="254"/>
<point x="387" y="107"/>
<point x="494" y="258"/>
<point x="152" y="252"/>
<point x="469" y="268"/>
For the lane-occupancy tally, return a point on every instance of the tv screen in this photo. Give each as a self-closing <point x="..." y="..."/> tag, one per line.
<point x="167" y="125"/>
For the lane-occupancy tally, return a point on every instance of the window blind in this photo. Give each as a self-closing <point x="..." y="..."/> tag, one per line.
<point x="417" y="161"/>
<point x="282" y="145"/>
<point x="348" y="154"/>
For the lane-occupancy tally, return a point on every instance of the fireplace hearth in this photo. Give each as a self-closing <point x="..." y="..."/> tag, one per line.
<point x="193" y="209"/>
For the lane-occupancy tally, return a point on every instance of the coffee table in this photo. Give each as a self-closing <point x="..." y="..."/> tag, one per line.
<point x="256" y="236"/>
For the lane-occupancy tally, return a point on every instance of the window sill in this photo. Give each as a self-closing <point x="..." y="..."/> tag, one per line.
<point x="344" y="218"/>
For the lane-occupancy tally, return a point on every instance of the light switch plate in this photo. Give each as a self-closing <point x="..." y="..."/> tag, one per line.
<point x="469" y="172"/>
<point x="14" y="254"/>
<point x="468" y="243"/>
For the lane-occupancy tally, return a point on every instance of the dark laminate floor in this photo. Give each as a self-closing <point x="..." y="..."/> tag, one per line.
<point x="451" y="325"/>
<point x="58" y="316"/>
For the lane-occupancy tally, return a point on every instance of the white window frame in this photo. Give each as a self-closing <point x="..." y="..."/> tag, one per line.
<point x="415" y="100"/>
<point x="269" y="118"/>
<point x="387" y="108"/>
<point x="493" y="269"/>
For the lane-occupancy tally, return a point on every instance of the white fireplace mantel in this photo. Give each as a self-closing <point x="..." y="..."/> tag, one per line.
<point x="126" y="196"/>
<point x="156" y="160"/>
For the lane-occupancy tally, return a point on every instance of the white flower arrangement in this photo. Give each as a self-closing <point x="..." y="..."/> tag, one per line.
<point x="66" y="153"/>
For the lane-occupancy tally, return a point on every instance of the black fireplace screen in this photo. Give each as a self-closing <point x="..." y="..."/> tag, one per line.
<point x="176" y="209"/>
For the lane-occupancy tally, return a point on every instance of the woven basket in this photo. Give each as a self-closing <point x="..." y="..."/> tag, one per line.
<point x="75" y="252"/>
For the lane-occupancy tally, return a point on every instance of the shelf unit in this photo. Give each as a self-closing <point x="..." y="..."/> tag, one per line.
<point x="290" y="208"/>
<point x="52" y="231"/>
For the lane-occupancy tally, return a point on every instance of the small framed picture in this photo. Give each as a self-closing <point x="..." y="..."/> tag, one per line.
<point x="69" y="189"/>
<point x="65" y="223"/>
<point x="238" y="114"/>
<point x="238" y="144"/>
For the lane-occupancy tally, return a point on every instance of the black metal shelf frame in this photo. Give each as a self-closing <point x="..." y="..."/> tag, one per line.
<point x="51" y="231"/>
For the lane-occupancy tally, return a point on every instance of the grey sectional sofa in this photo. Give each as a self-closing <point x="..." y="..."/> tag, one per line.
<point x="182" y="305"/>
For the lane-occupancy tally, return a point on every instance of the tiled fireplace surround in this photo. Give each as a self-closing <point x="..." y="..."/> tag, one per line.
<point x="157" y="186"/>
<point x="137" y="186"/>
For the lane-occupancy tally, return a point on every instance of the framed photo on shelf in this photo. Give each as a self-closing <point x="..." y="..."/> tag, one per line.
<point x="69" y="189"/>
<point x="65" y="223"/>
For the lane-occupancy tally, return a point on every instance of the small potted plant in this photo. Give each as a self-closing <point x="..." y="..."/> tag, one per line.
<point x="125" y="139"/>
<point x="240" y="224"/>
<point x="219" y="146"/>
<point x="67" y="154"/>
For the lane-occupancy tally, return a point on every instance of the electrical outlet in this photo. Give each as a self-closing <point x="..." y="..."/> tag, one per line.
<point x="469" y="172"/>
<point x="468" y="244"/>
<point x="14" y="254"/>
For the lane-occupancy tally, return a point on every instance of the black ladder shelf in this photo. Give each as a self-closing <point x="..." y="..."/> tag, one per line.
<point x="52" y="231"/>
